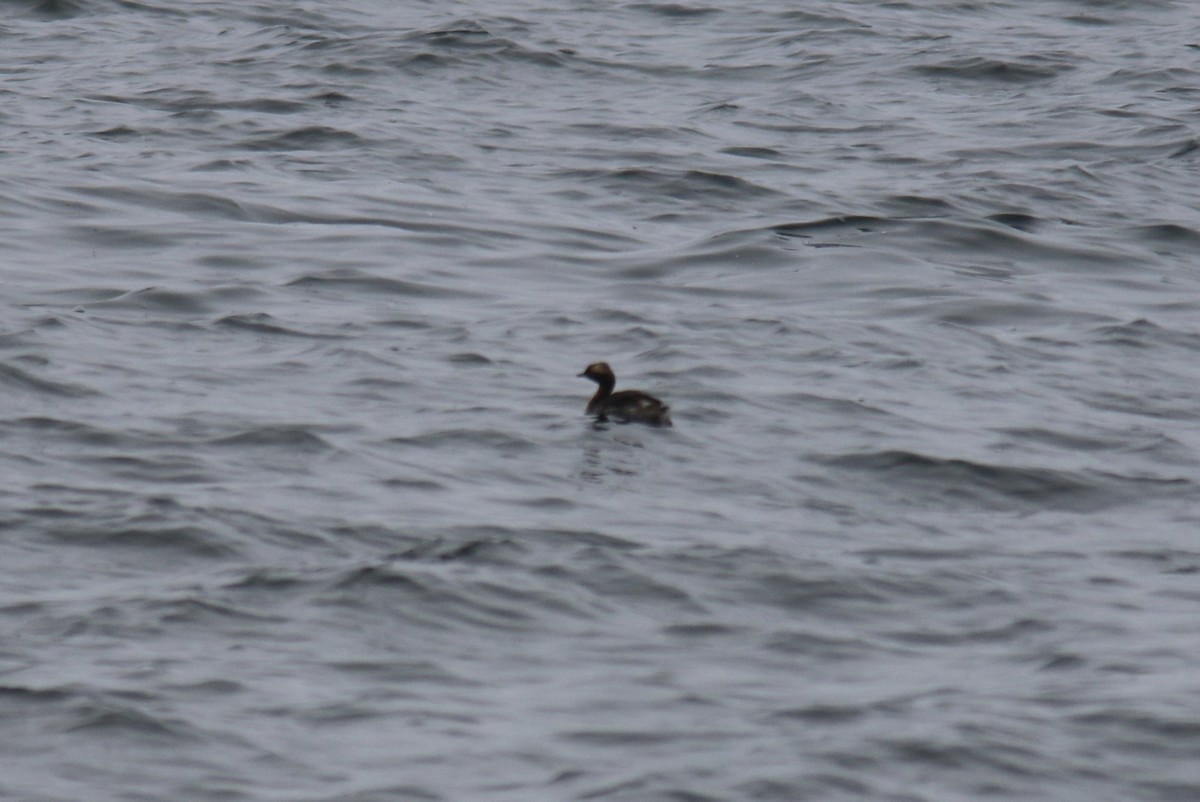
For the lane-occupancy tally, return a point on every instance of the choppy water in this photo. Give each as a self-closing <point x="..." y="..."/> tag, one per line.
<point x="299" y="501"/>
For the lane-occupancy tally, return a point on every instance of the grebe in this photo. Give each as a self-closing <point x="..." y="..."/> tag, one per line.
<point x="629" y="406"/>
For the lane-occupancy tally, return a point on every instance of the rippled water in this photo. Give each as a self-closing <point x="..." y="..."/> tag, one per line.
<point x="300" y="501"/>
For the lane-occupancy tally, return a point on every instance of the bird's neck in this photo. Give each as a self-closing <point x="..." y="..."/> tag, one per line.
<point x="604" y="390"/>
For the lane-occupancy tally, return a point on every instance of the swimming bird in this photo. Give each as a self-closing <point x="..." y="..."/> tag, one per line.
<point x="627" y="406"/>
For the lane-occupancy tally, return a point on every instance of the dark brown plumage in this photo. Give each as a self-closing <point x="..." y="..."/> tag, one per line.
<point x="629" y="406"/>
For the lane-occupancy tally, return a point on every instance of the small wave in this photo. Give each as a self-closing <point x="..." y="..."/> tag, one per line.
<point x="1145" y="334"/>
<point x="262" y="323"/>
<point x="410" y="483"/>
<point x="1015" y="759"/>
<point x="52" y="9"/>
<point x="1010" y="235"/>
<point x="1070" y="441"/>
<point x="78" y="433"/>
<point x="1173" y="234"/>
<point x="13" y="695"/>
<point x="693" y="185"/>
<point x="1017" y="630"/>
<point x="172" y="302"/>
<point x="1177" y="732"/>
<point x="17" y="379"/>
<point x="167" y="468"/>
<point x="165" y="537"/>
<point x="469" y="359"/>
<point x="192" y="100"/>
<point x="117" y="132"/>
<point x="1178" y="562"/>
<point x="674" y="10"/>
<point x="158" y="299"/>
<point x="469" y="40"/>
<point x="123" y="720"/>
<point x="909" y="205"/>
<point x="425" y="598"/>
<point x="830" y="595"/>
<point x="730" y="253"/>
<point x="471" y="549"/>
<point x="314" y="137"/>
<point x="753" y="152"/>
<point x="821" y="715"/>
<point x="272" y="582"/>
<point x="980" y="68"/>
<point x="842" y="224"/>
<point x="199" y="612"/>
<point x="292" y="437"/>
<point x="189" y="204"/>
<point x="840" y="407"/>
<point x="1186" y="148"/>
<point x="960" y="481"/>
<point x="547" y="503"/>
<point x="493" y="439"/>
<point x="1018" y="220"/>
<point x="351" y="279"/>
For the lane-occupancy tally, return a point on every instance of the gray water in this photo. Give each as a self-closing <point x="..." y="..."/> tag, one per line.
<point x="299" y="501"/>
